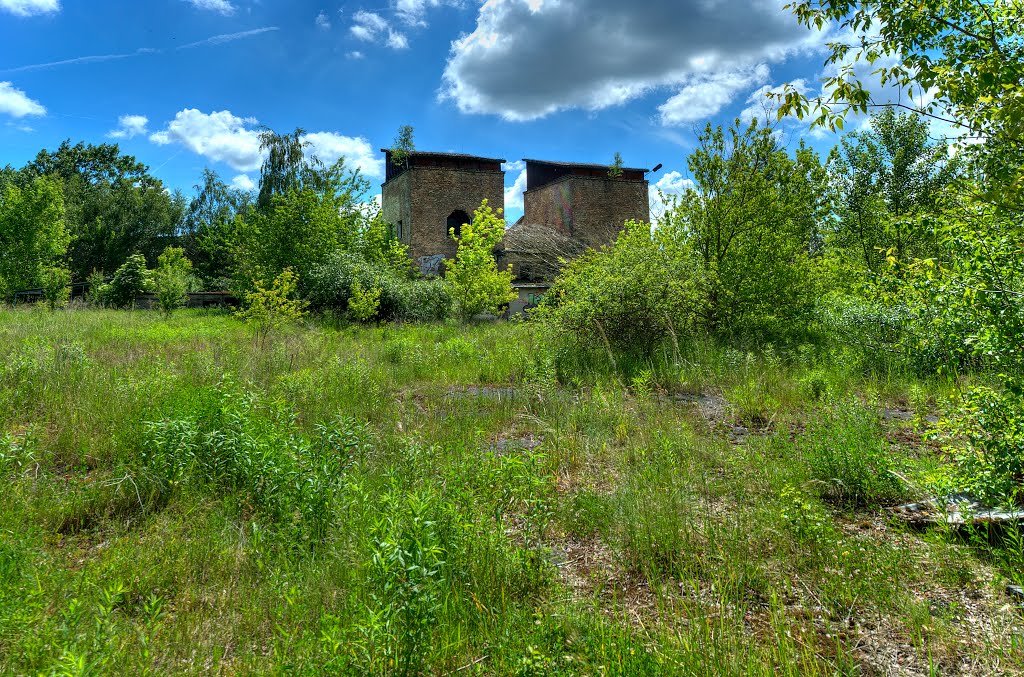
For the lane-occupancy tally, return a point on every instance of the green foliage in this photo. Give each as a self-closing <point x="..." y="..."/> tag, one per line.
<point x="98" y="290"/>
<point x="267" y="309"/>
<point x="317" y="214"/>
<point x="961" y="61"/>
<point x="209" y="232"/>
<point x="171" y="279"/>
<point x="333" y="282"/>
<point x="56" y="286"/>
<point x="364" y="304"/>
<point x="32" y="233"/>
<point x="403" y="146"/>
<point x="615" y="168"/>
<point x="114" y="207"/>
<point x="130" y="280"/>
<point x="849" y="458"/>
<point x="625" y="298"/>
<point x="476" y="284"/>
<point x="747" y="226"/>
<point x="986" y="437"/>
<point x="883" y="179"/>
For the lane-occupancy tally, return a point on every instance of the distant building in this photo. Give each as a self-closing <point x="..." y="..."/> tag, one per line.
<point x="568" y="208"/>
<point x="431" y="193"/>
<point x="582" y="201"/>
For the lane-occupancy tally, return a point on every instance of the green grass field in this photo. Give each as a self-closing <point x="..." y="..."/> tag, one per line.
<point x="438" y="500"/>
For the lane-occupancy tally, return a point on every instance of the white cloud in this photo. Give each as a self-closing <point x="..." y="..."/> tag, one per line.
<point x="130" y="126"/>
<point x="703" y="97"/>
<point x="243" y="182"/>
<point x="667" y="187"/>
<point x="30" y="7"/>
<point x="357" y="151"/>
<point x="355" y="55"/>
<point x="220" y="6"/>
<point x="411" y="12"/>
<point x="224" y="137"/>
<point x="371" y="27"/>
<point x="219" y="136"/>
<point x="514" y="193"/>
<point x="16" y="103"/>
<point x="523" y="59"/>
<point x="323" y="21"/>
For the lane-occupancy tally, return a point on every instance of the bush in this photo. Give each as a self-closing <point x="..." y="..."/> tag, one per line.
<point x="333" y="282"/>
<point x="171" y="279"/>
<point x="476" y="284"/>
<point x="130" y="280"/>
<point x="56" y="286"/>
<point x="625" y="299"/>
<point x="269" y="308"/>
<point x="364" y="303"/>
<point x="98" y="291"/>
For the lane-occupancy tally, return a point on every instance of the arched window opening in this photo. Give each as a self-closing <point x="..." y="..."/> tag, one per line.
<point x="455" y="221"/>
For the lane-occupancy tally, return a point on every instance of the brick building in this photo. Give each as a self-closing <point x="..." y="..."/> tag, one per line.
<point x="568" y="207"/>
<point x="432" y="192"/>
<point x="582" y="201"/>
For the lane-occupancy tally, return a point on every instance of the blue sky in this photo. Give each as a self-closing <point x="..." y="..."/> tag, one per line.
<point x="184" y="84"/>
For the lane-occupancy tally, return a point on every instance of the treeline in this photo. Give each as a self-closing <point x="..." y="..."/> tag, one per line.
<point x="90" y="213"/>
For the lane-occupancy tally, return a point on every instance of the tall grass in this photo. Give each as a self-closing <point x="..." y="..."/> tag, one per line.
<point x="424" y="499"/>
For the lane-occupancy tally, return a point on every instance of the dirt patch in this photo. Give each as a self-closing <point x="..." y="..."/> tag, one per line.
<point x="590" y="570"/>
<point x="505" y="444"/>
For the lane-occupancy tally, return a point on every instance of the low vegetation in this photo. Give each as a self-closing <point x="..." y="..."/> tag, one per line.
<point x="182" y="497"/>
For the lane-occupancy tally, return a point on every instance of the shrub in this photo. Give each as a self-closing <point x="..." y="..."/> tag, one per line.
<point x="625" y="298"/>
<point x="98" y="291"/>
<point x="56" y="286"/>
<point x="333" y="282"/>
<point x="267" y="309"/>
<point x="476" y="284"/>
<point x="364" y="303"/>
<point x="129" y="281"/>
<point x="171" y="279"/>
<point x="988" y="428"/>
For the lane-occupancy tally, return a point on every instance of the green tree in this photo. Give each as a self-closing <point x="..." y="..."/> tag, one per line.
<point x="56" y="286"/>
<point x="403" y="146"/>
<point x="130" y="280"/>
<point x="476" y="284"/>
<point x="33" y="236"/>
<point x="748" y="224"/>
<point x="113" y="206"/>
<point x="302" y="227"/>
<point x="964" y="61"/>
<point x="883" y="179"/>
<point x="209" y="230"/>
<point x="615" y="168"/>
<point x="171" y="279"/>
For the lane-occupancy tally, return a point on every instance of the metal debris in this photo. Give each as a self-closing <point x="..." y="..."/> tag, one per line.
<point x="956" y="510"/>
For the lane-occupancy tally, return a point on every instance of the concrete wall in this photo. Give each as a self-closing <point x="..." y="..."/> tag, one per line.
<point x="423" y="198"/>
<point x="591" y="210"/>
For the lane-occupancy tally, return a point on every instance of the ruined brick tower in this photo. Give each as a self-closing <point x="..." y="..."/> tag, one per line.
<point x="582" y="201"/>
<point x="433" y="192"/>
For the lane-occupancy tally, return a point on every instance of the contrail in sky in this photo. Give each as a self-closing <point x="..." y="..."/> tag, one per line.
<point x="228" y="37"/>
<point x="96" y="58"/>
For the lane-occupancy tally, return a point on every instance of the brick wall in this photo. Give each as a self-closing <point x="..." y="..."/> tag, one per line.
<point x="591" y="210"/>
<point x="423" y="198"/>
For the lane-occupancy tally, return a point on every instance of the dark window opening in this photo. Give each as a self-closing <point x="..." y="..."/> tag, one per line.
<point x="401" y="234"/>
<point x="455" y="221"/>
